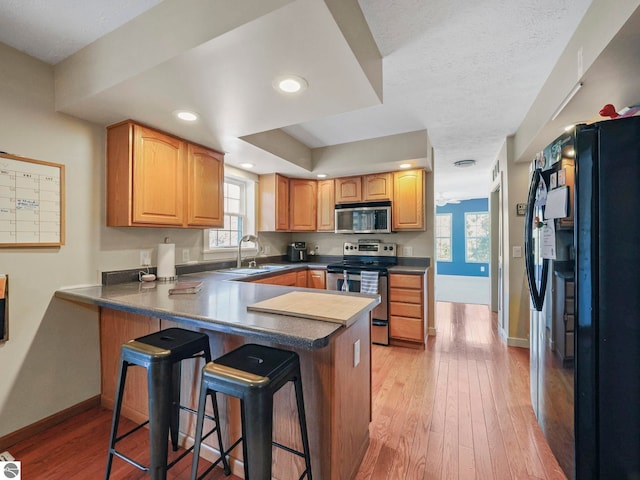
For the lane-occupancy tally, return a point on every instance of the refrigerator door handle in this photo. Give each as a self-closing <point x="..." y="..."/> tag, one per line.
<point x="537" y="293"/>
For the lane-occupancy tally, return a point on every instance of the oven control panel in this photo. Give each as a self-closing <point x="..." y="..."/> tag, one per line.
<point x="374" y="249"/>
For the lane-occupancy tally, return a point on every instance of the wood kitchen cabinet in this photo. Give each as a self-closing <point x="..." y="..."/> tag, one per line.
<point x="348" y="189"/>
<point x="317" y="279"/>
<point x="326" y="206"/>
<point x="274" y="203"/>
<point x="205" y="184"/>
<point x="117" y="328"/>
<point x="408" y="212"/>
<point x="407" y="310"/>
<point x="377" y="187"/>
<point x="301" y="279"/>
<point x="150" y="180"/>
<point x="302" y="205"/>
<point x="288" y="279"/>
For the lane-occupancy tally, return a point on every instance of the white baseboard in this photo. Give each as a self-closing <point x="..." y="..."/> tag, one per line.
<point x="503" y="334"/>
<point x="518" y="342"/>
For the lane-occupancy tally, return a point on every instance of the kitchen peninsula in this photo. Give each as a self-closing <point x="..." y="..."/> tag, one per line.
<point x="335" y="361"/>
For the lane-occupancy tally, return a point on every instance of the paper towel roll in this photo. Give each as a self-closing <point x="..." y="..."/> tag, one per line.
<point x="166" y="261"/>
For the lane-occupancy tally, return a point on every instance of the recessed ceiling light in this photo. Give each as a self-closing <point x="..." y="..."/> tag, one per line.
<point x="186" y="115"/>
<point x="464" y="163"/>
<point x="247" y="165"/>
<point x="290" y="84"/>
<point x="322" y="175"/>
<point x="405" y="165"/>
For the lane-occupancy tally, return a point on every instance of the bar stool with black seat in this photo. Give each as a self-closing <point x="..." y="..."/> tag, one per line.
<point x="254" y="373"/>
<point x="161" y="353"/>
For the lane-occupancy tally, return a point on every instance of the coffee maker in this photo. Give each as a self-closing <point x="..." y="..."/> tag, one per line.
<point x="297" y="252"/>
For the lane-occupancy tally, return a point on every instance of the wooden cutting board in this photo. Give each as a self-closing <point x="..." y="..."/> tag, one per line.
<point x="318" y="306"/>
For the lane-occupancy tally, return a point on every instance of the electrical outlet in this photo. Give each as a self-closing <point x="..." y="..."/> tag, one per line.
<point x="185" y="255"/>
<point x="356" y="353"/>
<point x="267" y="249"/>
<point x="407" y="251"/>
<point x="145" y="258"/>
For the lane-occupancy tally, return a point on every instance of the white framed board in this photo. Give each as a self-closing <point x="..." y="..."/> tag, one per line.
<point x="31" y="202"/>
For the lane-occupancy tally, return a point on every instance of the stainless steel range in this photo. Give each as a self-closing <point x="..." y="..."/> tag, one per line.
<point x="366" y="255"/>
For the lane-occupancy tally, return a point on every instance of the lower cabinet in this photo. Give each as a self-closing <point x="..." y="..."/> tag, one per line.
<point x="289" y="279"/>
<point x="117" y="328"/>
<point x="407" y="309"/>
<point x="300" y="278"/>
<point x="317" y="279"/>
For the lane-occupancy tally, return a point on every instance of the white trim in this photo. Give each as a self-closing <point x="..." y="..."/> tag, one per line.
<point x="518" y="342"/>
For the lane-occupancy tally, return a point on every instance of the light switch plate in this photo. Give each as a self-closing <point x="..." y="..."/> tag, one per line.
<point x="407" y="251"/>
<point x="517" y="252"/>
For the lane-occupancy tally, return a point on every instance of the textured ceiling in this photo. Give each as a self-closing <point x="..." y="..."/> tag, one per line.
<point x="51" y="30"/>
<point x="466" y="71"/>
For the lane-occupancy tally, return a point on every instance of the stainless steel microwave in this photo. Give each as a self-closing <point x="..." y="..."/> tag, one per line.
<point x="372" y="217"/>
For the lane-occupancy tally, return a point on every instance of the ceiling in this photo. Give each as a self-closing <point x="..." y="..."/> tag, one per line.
<point x="467" y="72"/>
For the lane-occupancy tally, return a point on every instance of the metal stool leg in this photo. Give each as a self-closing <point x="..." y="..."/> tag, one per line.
<point x="174" y="423"/>
<point x="159" y="411"/>
<point x="258" y="434"/>
<point x="303" y="423"/>
<point x="216" y="414"/>
<point x="116" y="416"/>
<point x="198" y="437"/>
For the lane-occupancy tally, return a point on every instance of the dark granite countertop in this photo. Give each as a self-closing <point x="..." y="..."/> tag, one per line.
<point x="221" y="305"/>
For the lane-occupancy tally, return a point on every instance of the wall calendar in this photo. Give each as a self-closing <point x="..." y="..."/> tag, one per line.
<point x="31" y="202"/>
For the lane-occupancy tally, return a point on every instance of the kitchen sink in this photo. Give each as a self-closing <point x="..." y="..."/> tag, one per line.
<point x="252" y="270"/>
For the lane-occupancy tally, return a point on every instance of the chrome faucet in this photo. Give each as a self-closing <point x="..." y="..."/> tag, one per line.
<point x="247" y="238"/>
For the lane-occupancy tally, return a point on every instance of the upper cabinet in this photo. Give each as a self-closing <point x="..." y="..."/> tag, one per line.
<point x="377" y="187"/>
<point x="274" y="203"/>
<point x="205" y="185"/>
<point x="348" y="189"/>
<point x="302" y="205"/>
<point x="408" y="200"/>
<point x="326" y="206"/>
<point x="150" y="180"/>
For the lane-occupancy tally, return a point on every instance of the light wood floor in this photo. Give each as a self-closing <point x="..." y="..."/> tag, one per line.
<point x="458" y="410"/>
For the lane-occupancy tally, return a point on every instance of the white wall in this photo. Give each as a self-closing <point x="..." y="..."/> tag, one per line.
<point x="516" y="291"/>
<point x="51" y="360"/>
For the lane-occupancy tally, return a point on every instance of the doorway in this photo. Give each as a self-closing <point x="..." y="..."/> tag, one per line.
<point x="496" y="268"/>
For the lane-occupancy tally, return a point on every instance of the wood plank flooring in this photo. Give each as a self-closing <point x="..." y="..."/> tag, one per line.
<point x="458" y="410"/>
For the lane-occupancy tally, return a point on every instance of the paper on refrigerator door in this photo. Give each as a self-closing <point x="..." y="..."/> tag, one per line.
<point x="557" y="202"/>
<point x="548" y="240"/>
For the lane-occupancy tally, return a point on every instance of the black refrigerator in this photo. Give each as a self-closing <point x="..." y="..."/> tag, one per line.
<point x="593" y="425"/>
